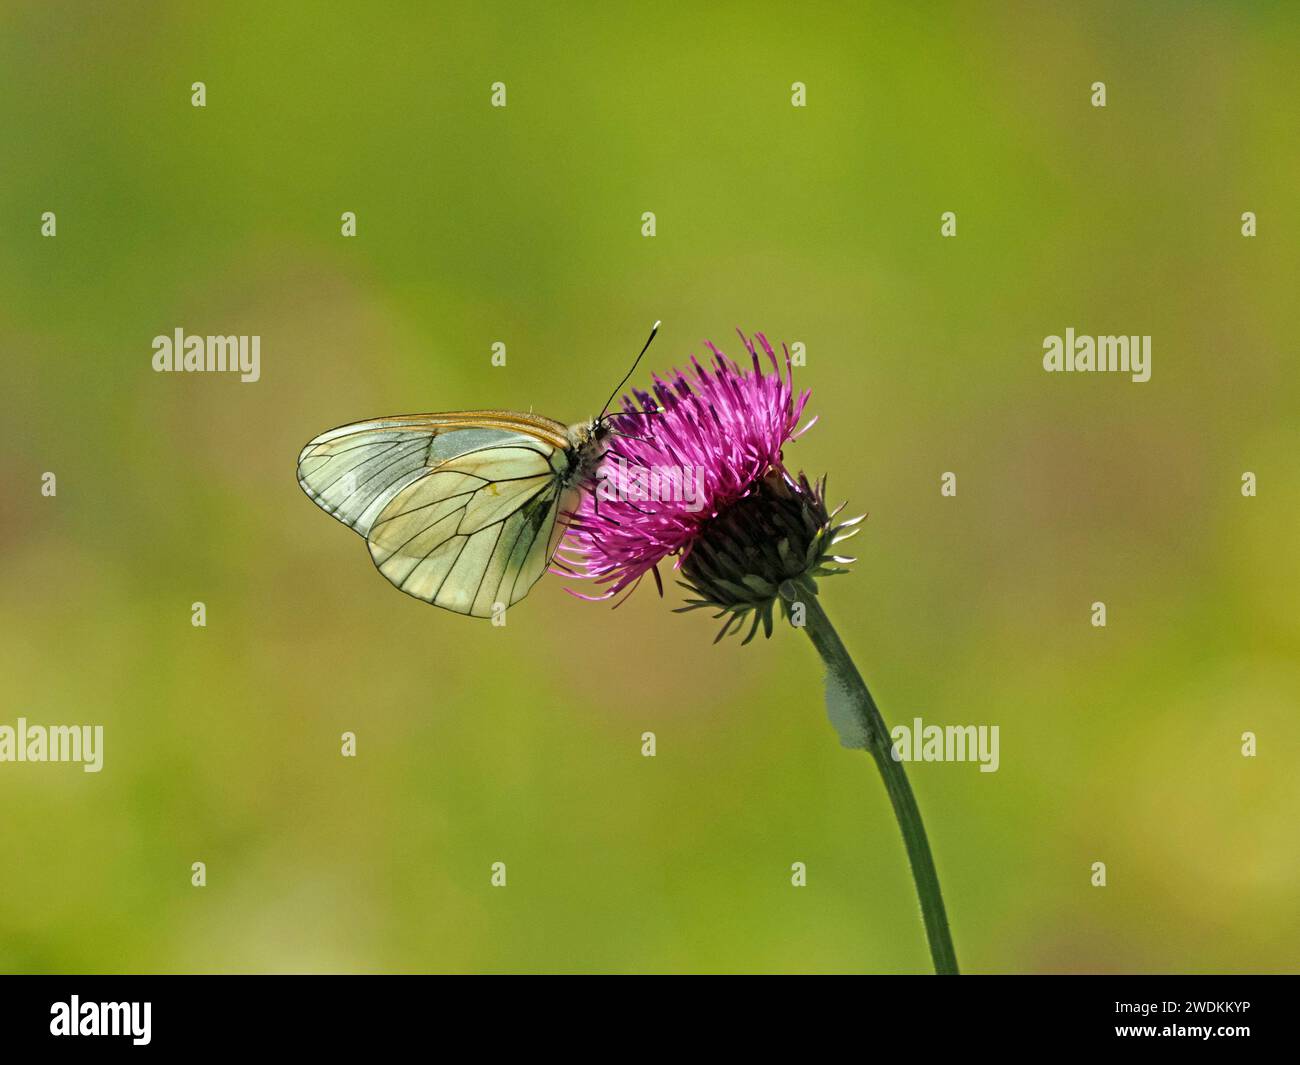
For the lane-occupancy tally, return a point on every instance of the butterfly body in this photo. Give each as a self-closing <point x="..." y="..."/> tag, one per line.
<point x="463" y="510"/>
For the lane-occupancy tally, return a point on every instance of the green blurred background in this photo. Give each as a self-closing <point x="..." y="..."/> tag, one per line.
<point x="820" y="225"/>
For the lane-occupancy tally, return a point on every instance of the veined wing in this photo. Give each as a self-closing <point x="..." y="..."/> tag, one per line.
<point x="354" y="471"/>
<point x="477" y="531"/>
<point x="461" y="510"/>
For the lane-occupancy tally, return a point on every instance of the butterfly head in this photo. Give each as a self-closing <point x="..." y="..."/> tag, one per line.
<point x="588" y="440"/>
<point x="588" y="444"/>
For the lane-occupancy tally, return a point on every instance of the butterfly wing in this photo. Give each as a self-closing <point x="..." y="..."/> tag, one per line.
<point x="474" y="532"/>
<point x="460" y="510"/>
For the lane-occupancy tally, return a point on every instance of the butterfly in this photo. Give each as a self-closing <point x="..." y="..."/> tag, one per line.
<point x="465" y="509"/>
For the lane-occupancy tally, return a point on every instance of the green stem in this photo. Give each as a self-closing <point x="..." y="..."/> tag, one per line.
<point x="838" y="662"/>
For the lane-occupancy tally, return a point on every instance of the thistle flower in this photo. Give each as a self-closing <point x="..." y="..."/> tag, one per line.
<point x="769" y="546"/>
<point x="697" y="472"/>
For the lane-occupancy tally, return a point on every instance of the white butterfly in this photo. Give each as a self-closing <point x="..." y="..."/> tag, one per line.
<point x="463" y="510"/>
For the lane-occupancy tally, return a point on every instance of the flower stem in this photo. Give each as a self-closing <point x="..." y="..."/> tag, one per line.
<point x="840" y="667"/>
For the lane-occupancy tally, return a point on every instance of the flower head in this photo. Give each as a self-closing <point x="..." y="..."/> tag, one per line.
<point x="696" y="471"/>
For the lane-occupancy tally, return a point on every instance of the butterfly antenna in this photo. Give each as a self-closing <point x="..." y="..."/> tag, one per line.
<point x="630" y="372"/>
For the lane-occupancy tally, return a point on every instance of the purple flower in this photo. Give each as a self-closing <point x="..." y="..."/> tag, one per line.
<point x="697" y="472"/>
